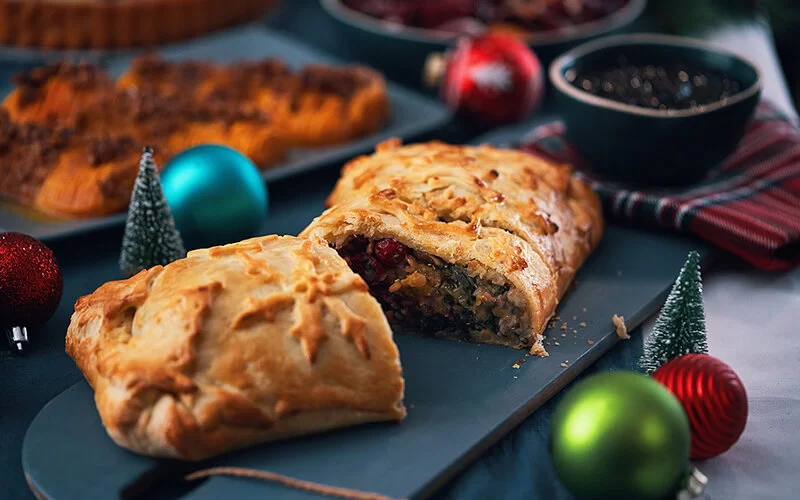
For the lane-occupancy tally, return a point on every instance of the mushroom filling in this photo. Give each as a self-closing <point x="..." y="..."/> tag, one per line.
<point x="420" y="293"/>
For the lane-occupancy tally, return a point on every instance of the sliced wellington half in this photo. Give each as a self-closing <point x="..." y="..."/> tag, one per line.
<point x="463" y="242"/>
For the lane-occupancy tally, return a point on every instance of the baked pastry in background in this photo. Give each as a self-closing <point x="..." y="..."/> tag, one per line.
<point x="72" y="137"/>
<point x="260" y="108"/>
<point x="176" y="123"/>
<point x="54" y="92"/>
<point x="235" y="345"/>
<point x="464" y="242"/>
<point x="106" y="24"/>
<point x="317" y="105"/>
<point x="58" y="172"/>
<point x="87" y="99"/>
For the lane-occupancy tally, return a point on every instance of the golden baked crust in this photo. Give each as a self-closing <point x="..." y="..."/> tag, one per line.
<point x="493" y="211"/>
<point x="316" y="106"/>
<point x="235" y="345"/>
<point x="104" y="24"/>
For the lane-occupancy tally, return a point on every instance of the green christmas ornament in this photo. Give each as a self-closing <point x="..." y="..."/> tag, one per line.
<point x="620" y="435"/>
<point x="681" y="327"/>
<point x="150" y="235"/>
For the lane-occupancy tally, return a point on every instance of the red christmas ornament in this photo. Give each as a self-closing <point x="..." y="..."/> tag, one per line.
<point x="714" y="399"/>
<point x="494" y="77"/>
<point x="30" y="285"/>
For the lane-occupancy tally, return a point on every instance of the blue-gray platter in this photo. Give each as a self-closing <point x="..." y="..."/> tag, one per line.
<point x="461" y="398"/>
<point x="411" y="115"/>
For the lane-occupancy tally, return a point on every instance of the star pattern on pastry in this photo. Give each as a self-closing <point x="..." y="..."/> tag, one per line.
<point x="310" y="298"/>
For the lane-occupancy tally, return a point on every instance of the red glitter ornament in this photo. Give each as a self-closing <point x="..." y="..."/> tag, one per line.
<point x="496" y="78"/>
<point x="713" y="397"/>
<point x="30" y="281"/>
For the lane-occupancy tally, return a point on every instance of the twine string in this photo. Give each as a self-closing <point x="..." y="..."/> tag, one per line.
<point x="291" y="482"/>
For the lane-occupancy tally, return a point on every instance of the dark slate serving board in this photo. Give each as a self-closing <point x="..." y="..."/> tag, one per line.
<point x="462" y="397"/>
<point x="412" y="115"/>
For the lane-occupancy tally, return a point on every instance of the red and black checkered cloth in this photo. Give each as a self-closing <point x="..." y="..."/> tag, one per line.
<point x="750" y="205"/>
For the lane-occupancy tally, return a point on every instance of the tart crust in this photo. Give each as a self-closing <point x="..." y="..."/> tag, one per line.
<point x="103" y="24"/>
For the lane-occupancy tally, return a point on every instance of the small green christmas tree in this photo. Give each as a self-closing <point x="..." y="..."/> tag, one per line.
<point x="151" y="237"/>
<point x="681" y="327"/>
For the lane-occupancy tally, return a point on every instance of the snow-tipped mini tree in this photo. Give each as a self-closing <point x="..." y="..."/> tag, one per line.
<point x="151" y="237"/>
<point x="681" y="327"/>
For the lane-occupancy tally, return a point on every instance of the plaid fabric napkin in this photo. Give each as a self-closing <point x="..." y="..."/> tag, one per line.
<point x="750" y="205"/>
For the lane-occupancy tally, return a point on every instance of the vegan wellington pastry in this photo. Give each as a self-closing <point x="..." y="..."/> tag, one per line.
<point x="315" y="106"/>
<point x="463" y="242"/>
<point x="236" y="345"/>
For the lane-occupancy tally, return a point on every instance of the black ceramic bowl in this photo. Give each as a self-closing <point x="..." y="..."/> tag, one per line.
<point x="639" y="145"/>
<point x="401" y="51"/>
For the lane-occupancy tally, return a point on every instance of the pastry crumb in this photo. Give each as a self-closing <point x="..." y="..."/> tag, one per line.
<point x="563" y="334"/>
<point x="582" y="324"/>
<point x="622" y="330"/>
<point x="557" y="318"/>
<point x="574" y="318"/>
<point x="574" y="331"/>
<point x="515" y="366"/>
<point x="590" y="342"/>
<point x="584" y="309"/>
<point x="563" y="365"/>
<point x="557" y="343"/>
<point x="564" y="326"/>
<point x="539" y="350"/>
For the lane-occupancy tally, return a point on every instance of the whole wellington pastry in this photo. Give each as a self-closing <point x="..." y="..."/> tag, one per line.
<point x="106" y="24"/>
<point x="316" y="106"/>
<point x="236" y="345"/>
<point x="467" y="242"/>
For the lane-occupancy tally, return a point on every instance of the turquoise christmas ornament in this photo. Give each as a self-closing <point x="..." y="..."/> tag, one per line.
<point x="216" y="195"/>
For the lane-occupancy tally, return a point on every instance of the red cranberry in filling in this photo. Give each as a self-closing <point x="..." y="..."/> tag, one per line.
<point x="390" y="252"/>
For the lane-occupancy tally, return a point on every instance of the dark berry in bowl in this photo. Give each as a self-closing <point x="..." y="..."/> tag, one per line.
<point x="668" y="85"/>
<point x="654" y="110"/>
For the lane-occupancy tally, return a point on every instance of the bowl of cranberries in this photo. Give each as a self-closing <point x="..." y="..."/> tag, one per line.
<point x="398" y="35"/>
<point x="652" y="109"/>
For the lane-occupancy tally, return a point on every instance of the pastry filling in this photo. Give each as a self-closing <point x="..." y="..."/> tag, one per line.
<point x="420" y="293"/>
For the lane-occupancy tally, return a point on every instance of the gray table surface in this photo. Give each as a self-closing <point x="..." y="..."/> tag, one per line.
<point x="751" y="317"/>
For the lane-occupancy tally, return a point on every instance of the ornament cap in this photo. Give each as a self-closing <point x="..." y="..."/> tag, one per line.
<point x="433" y="72"/>
<point x="18" y="337"/>
<point x="695" y="485"/>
